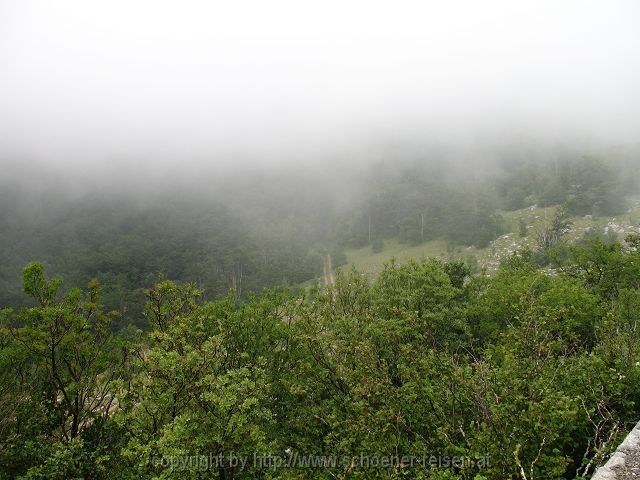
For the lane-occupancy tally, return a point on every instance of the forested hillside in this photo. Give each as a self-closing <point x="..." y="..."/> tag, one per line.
<point x="261" y="230"/>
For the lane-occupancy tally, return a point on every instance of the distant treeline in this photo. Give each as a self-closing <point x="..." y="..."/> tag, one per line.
<point x="255" y="232"/>
<point x="422" y="202"/>
<point x="129" y="248"/>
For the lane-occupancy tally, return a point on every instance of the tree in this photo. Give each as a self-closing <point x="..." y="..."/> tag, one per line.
<point x="61" y="355"/>
<point x="551" y="233"/>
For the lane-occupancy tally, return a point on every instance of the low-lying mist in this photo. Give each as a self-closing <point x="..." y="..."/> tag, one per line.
<point x="139" y="96"/>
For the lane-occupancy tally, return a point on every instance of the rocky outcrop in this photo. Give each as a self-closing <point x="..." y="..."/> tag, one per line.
<point x="624" y="464"/>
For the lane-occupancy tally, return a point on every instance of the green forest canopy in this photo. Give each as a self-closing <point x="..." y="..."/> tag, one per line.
<point x="524" y="371"/>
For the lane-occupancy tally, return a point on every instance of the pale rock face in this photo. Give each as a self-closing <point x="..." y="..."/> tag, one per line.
<point x="625" y="462"/>
<point x="614" y="227"/>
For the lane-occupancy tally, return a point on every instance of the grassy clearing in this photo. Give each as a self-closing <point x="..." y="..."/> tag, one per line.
<point x="365" y="260"/>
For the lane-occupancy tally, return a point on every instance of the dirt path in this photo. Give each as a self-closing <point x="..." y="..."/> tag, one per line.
<point x="328" y="271"/>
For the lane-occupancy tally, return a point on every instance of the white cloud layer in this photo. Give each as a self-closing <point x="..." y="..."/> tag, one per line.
<point x="210" y="81"/>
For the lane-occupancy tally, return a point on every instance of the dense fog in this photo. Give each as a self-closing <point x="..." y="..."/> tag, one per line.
<point x="155" y="90"/>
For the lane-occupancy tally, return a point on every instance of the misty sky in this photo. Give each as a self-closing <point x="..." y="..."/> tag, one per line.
<point x="137" y="81"/>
